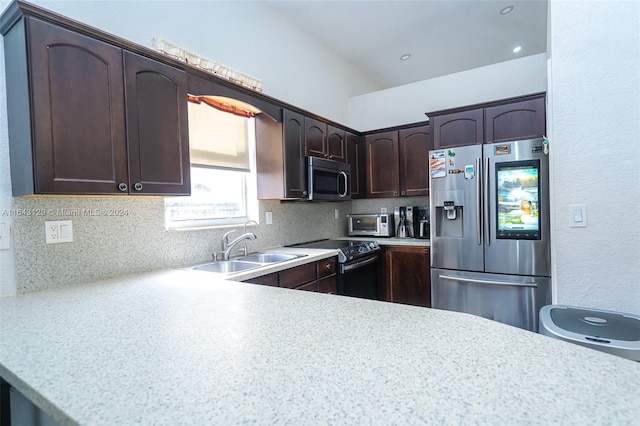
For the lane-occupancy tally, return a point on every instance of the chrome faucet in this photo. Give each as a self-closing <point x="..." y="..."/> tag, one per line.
<point x="227" y="246"/>
<point x="246" y="249"/>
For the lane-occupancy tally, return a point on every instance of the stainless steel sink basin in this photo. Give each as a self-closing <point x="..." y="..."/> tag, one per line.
<point x="227" y="266"/>
<point x="244" y="263"/>
<point x="268" y="257"/>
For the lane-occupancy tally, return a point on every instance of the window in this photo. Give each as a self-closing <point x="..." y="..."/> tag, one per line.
<point x="223" y="180"/>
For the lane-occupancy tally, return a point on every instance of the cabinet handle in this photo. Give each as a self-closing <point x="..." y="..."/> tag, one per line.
<point x="122" y="187"/>
<point x="305" y="193"/>
<point x="137" y="186"/>
<point x="404" y="192"/>
<point x="328" y="266"/>
<point x="395" y="193"/>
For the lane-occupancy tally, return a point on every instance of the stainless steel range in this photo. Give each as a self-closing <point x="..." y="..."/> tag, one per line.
<point x="358" y="271"/>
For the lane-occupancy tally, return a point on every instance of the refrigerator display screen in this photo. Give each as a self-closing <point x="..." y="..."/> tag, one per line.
<point x="517" y="200"/>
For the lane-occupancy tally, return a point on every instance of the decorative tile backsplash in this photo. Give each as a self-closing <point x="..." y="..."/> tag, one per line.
<point x="114" y="236"/>
<point x="121" y="235"/>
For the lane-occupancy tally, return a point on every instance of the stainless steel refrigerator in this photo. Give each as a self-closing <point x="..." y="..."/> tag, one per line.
<point x="490" y="251"/>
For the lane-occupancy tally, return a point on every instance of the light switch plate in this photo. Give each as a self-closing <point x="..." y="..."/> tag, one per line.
<point x="578" y="215"/>
<point x="269" y="218"/>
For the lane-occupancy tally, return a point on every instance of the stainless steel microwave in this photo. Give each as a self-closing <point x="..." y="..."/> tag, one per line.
<point x="328" y="180"/>
<point x="370" y="225"/>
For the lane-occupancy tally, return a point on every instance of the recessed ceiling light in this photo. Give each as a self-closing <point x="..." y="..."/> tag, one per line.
<point x="405" y="57"/>
<point x="517" y="49"/>
<point x="506" y="10"/>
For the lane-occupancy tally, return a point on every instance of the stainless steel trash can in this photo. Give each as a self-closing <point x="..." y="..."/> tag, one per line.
<point x="608" y="331"/>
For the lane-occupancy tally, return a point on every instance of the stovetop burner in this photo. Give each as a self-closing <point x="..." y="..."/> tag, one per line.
<point x="348" y="250"/>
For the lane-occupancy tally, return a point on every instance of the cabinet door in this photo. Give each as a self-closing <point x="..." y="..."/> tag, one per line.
<point x="294" y="157"/>
<point x="336" y="144"/>
<point x="315" y="137"/>
<point x="312" y="286"/>
<point x="157" y="127"/>
<point x="382" y="165"/>
<point x="269" y="279"/>
<point x="518" y="120"/>
<point x="458" y="129"/>
<point x="355" y="157"/>
<point x="408" y="275"/>
<point x="294" y="277"/>
<point x="78" y="112"/>
<point x="414" y="146"/>
<point x="328" y="285"/>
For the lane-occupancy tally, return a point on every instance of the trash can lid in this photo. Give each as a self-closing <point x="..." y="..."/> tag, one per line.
<point x="597" y="323"/>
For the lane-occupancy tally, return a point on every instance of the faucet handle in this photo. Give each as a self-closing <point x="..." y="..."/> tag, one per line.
<point x="225" y="238"/>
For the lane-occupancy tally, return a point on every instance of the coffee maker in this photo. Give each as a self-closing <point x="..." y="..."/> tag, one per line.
<point x="422" y="222"/>
<point x="404" y="220"/>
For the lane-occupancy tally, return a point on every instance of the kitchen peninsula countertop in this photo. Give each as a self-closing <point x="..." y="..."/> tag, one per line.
<point x="185" y="347"/>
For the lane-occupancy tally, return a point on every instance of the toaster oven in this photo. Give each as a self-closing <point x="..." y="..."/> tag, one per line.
<point x="370" y="225"/>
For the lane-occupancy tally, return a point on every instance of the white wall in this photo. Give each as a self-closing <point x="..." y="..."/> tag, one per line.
<point x="244" y="35"/>
<point x="408" y="103"/>
<point x="7" y="264"/>
<point x="594" y="95"/>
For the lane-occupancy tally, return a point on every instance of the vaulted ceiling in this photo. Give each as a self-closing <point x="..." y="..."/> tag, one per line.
<point x="442" y="36"/>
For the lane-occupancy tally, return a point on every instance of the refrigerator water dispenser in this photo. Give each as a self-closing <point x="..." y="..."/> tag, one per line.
<point x="449" y="213"/>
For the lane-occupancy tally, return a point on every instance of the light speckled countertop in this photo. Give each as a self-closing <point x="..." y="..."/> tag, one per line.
<point x="183" y="347"/>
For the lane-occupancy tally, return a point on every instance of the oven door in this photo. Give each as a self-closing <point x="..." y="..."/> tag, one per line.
<point x="359" y="278"/>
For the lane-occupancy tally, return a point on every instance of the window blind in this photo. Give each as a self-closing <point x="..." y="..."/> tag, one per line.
<point x="216" y="138"/>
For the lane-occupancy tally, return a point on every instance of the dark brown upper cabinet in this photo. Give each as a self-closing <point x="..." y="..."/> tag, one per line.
<point x="383" y="179"/>
<point x="336" y="144"/>
<point x="323" y="140"/>
<point x="68" y="114"/>
<point x="280" y="157"/>
<point x="315" y="137"/>
<point x="414" y="146"/>
<point x="397" y="162"/>
<point x="518" y="120"/>
<point x="500" y="121"/>
<point x="355" y="157"/>
<point x="458" y="129"/>
<point x="157" y="127"/>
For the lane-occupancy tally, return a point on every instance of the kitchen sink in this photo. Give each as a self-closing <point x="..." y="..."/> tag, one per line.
<point x="227" y="266"/>
<point x="244" y="263"/>
<point x="268" y="257"/>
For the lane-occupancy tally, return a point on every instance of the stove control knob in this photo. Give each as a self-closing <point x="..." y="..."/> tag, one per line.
<point x="373" y="245"/>
<point x="362" y="249"/>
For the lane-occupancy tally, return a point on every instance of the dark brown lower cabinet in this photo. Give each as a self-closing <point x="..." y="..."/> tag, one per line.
<point x="317" y="276"/>
<point x="269" y="279"/>
<point x="407" y="274"/>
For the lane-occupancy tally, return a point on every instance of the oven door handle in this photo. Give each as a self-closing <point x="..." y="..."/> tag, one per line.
<point x="357" y="265"/>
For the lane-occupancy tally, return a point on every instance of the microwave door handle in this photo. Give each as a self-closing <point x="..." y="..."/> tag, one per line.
<point x="346" y="189"/>
<point x="478" y="203"/>
<point x="487" y="222"/>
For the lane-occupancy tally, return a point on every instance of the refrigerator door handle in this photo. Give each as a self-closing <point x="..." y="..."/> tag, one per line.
<point x="479" y="202"/>
<point x="490" y="282"/>
<point x="487" y="235"/>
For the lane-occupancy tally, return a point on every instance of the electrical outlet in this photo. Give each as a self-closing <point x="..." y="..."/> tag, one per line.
<point x="51" y="228"/>
<point x="269" y="218"/>
<point x="383" y="210"/>
<point x="59" y="231"/>
<point x="336" y="213"/>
